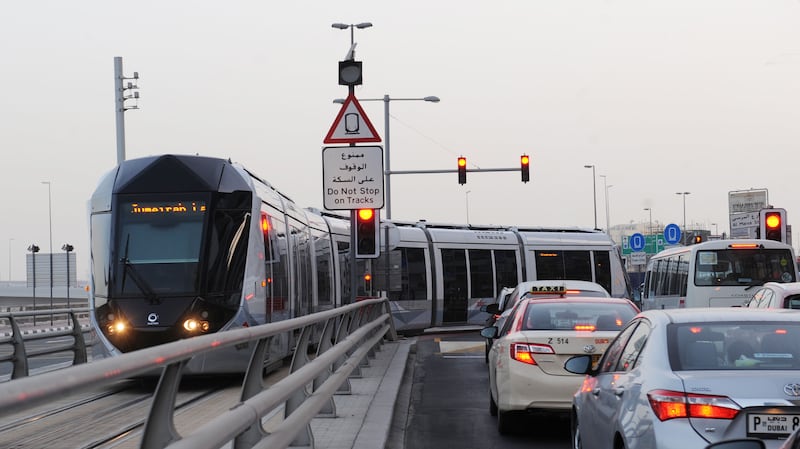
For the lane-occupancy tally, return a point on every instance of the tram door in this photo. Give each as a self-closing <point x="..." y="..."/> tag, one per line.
<point x="454" y="281"/>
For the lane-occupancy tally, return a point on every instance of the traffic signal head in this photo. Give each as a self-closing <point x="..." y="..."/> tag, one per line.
<point x="367" y="238"/>
<point x="462" y="170"/>
<point x="697" y="238"/>
<point x="772" y="224"/>
<point x="524" y="162"/>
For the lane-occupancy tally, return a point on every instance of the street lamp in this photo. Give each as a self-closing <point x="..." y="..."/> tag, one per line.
<point x="67" y="247"/>
<point x="34" y="249"/>
<point x="684" y="207"/>
<point x="467" y="199"/>
<point x="387" y="159"/>
<point x="50" y="217"/>
<point x="594" y="192"/>
<point x="344" y="26"/>
<point x="650" y="226"/>
<point x="9" y="260"/>
<point x="608" y="218"/>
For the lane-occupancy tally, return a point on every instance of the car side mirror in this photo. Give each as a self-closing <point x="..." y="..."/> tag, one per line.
<point x="489" y="332"/>
<point x="491" y="308"/>
<point x="579" y="364"/>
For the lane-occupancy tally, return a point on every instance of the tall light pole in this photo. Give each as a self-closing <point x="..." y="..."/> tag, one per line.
<point x="344" y="26"/>
<point x="67" y="248"/>
<point x="386" y="140"/>
<point x="650" y="225"/>
<point x="684" y="207"/>
<point x="716" y="232"/>
<point x="50" y="218"/>
<point x="608" y="218"/>
<point x="594" y="192"/>
<point x="467" y="199"/>
<point x="9" y="260"/>
<point x="120" y="96"/>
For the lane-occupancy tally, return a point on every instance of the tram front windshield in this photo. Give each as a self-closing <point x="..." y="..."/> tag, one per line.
<point x="158" y="246"/>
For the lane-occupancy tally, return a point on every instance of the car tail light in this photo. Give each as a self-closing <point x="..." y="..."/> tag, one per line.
<point x="675" y="404"/>
<point x="523" y="352"/>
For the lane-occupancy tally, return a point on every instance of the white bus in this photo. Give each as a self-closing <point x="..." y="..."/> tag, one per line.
<point x="715" y="273"/>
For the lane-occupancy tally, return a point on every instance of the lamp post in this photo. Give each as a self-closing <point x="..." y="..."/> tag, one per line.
<point x="67" y="248"/>
<point x="9" y="260"/>
<point x="684" y="207"/>
<point x="467" y="199"/>
<point x="386" y="140"/>
<point x="650" y="225"/>
<point x="34" y="249"/>
<point x="50" y="218"/>
<point x="344" y="26"/>
<point x="608" y="218"/>
<point x="594" y="192"/>
<point x="716" y="232"/>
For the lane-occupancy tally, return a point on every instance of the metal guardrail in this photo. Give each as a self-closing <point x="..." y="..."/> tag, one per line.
<point x="19" y="339"/>
<point x="350" y="333"/>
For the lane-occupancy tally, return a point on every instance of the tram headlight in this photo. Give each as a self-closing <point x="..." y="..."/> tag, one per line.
<point x="116" y="327"/>
<point x="193" y="325"/>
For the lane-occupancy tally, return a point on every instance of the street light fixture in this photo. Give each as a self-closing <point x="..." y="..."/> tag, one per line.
<point x="344" y="26"/>
<point x="50" y="218"/>
<point x="608" y="218"/>
<point x="684" y="207"/>
<point x="67" y="248"/>
<point x="9" y="260"/>
<point x="594" y="192"/>
<point x="386" y="140"/>
<point x="34" y="249"/>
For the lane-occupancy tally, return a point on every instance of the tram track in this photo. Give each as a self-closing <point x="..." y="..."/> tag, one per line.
<point x="104" y="419"/>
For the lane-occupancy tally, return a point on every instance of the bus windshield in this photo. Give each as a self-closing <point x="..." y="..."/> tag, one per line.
<point x="743" y="267"/>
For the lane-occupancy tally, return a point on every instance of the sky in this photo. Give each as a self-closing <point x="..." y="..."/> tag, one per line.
<point x="697" y="96"/>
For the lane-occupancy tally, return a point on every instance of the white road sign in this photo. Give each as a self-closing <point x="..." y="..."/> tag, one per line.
<point x="352" y="177"/>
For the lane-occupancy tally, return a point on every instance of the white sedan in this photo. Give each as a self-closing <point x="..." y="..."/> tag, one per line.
<point x="526" y="360"/>
<point x="685" y="378"/>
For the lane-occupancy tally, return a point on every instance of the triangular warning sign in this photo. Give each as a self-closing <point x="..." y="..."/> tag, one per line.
<point x="352" y="125"/>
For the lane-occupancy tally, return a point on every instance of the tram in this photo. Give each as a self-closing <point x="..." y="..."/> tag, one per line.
<point x="184" y="245"/>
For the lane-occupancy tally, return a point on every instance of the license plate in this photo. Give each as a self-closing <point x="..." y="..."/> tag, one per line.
<point x="771" y="426"/>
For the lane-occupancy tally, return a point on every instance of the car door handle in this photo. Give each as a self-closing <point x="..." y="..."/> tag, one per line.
<point x="618" y="391"/>
<point x="596" y="392"/>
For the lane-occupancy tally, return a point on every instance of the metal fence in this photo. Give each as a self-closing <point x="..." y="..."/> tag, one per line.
<point x="349" y="334"/>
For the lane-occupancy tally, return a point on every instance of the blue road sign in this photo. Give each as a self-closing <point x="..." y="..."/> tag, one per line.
<point x="672" y="233"/>
<point x="636" y="242"/>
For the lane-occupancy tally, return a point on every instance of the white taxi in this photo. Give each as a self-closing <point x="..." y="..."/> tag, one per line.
<point x="526" y="360"/>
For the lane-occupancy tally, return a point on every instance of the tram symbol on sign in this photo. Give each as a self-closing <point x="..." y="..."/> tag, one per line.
<point x="351" y="123"/>
<point x="636" y="242"/>
<point x="672" y="233"/>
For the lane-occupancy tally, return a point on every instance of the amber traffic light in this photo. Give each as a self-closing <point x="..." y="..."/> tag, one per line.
<point x="367" y="234"/>
<point x="524" y="162"/>
<point x="462" y="170"/>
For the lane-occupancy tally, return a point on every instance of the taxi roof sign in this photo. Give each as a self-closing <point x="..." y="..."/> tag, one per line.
<point x="548" y="289"/>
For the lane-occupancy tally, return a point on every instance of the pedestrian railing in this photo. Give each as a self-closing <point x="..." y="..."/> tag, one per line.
<point x="349" y="334"/>
<point x="19" y="333"/>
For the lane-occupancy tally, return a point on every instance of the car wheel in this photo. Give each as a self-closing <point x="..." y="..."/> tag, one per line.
<point x="492" y="405"/>
<point x="576" y="433"/>
<point x="505" y="422"/>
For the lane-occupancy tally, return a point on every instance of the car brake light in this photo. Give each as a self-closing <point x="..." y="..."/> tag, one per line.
<point x="585" y="327"/>
<point x="675" y="404"/>
<point x="523" y="352"/>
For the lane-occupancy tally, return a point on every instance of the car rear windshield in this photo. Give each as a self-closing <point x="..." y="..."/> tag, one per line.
<point x="574" y="315"/>
<point x="734" y="346"/>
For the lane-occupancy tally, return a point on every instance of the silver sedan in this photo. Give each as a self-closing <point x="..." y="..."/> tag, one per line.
<point x="684" y="378"/>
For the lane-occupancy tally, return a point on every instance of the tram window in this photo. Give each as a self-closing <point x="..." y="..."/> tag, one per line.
<point x="602" y="269"/>
<point x="101" y="223"/>
<point x="552" y="264"/>
<point x="413" y="276"/>
<point x="505" y="263"/>
<point x="480" y="269"/>
<point x="322" y="248"/>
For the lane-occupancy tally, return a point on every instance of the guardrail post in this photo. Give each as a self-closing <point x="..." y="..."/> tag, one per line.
<point x="159" y="428"/>
<point x="304" y="437"/>
<point x="79" y="347"/>
<point x="20" y="358"/>
<point x="252" y="385"/>
<point x="325" y="343"/>
<point x="341" y="334"/>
